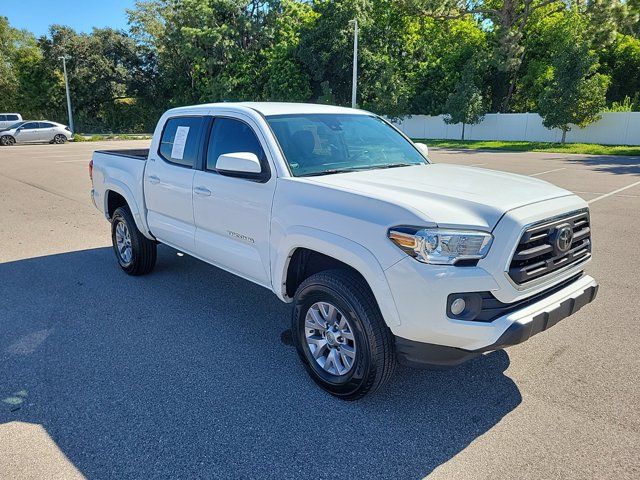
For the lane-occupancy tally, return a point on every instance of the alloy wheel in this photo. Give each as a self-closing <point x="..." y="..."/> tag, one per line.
<point x="123" y="242"/>
<point x="330" y="338"/>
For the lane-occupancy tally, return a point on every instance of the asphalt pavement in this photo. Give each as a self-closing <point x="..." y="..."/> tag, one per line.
<point x="189" y="373"/>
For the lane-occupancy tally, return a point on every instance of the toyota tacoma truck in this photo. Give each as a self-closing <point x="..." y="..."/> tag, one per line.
<point x="386" y="256"/>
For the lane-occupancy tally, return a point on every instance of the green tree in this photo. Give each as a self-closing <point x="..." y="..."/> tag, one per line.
<point x="285" y="77"/>
<point x="107" y="79"/>
<point x="507" y="21"/>
<point x="465" y="104"/>
<point x="326" y="46"/>
<point x="621" y="61"/>
<point x="575" y="94"/>
<point x="18" y="51"/>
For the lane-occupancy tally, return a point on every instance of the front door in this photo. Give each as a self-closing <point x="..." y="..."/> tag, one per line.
<point x="168" y="182"/>
<point x="232" y="214"/>
<point x="27" y="133"/>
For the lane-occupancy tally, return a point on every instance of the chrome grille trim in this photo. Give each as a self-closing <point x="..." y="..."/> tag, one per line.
<point x="534" y="258"/>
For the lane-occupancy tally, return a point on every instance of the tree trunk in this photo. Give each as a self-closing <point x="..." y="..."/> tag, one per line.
<point x="564" y="136"/>
<point x="462" y="130"/>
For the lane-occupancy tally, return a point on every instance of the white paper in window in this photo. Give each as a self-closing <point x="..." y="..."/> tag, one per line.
<point x="177" y="152"/>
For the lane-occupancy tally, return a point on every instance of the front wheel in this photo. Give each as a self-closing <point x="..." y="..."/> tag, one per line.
<point x="7" y="141"/>
<point x="136" y="254"/>
<point x="59" y="139"/>
<point x="340" y="334"/>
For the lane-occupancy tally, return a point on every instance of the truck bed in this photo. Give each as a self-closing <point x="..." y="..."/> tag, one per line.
<point x="138" y="154"/>
<point x="123" y="168"/>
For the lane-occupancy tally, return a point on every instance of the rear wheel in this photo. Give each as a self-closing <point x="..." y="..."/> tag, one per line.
<point x="136" y="254"/>
<point x="59" y="139"/>
<point x="7" y="141"/>
<point x="341" y="336"/>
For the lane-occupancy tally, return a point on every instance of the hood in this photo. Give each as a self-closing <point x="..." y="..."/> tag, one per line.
<point x="448" y="195"/>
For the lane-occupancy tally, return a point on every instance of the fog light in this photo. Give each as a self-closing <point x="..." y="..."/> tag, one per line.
<point x="458" y="306"/>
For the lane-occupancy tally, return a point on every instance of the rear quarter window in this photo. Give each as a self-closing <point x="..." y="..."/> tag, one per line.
<point x="13" y="118"/>
<point x="180" y="141"/>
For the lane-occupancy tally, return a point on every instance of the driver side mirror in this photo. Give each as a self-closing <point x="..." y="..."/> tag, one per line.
<point x="240" y="164"/>
<point x="422" y="148"/>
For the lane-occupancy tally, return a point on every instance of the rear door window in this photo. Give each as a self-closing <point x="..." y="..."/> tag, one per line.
<point x="180" y="142"/>
<point x="13" y="118"/>
<point x="46" y="125"/>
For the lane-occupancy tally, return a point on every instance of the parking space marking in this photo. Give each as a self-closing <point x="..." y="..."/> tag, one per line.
<point x="548" y="171"/>
<point x="72" y="161"/>
<point x="46" y="157"/>
<point x="614" y="192"/>
<point x="478" y="164"/>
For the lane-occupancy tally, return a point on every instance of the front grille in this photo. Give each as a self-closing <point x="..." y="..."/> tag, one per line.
<point x="538" y="253"/>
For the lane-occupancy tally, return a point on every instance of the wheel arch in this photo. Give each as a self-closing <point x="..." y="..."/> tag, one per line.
<point x="326" y="251"/>
<point x="116" y="195"/>
<point x="10" y="136"/>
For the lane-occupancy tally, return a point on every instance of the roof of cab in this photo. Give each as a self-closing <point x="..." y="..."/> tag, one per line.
<point x="282" y="108"/>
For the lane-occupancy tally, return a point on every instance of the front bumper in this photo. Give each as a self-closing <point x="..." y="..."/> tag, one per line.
<point x="528" y="322"/>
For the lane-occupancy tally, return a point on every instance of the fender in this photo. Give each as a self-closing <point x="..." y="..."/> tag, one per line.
<point x="340" y="248"/>
<point x="111" y="184"/>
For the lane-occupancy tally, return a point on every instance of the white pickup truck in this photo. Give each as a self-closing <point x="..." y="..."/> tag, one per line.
<point x="386" y="256"/>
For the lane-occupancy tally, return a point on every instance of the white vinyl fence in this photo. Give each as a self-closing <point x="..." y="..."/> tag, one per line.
<point x="612" y="129"/>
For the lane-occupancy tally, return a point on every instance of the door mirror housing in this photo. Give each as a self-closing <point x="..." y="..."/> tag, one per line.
<point x="422" y="148"/>
<point x="239" y="164"/>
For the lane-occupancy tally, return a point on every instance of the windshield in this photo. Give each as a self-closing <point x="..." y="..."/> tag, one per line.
<point x="15" y="125"/>
<point x="320" y="144"/>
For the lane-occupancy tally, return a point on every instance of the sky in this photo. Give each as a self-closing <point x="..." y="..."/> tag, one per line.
<point x="82" y="15"/>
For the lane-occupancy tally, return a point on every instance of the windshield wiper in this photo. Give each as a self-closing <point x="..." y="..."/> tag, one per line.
<point x="358" y="169"/>
<point x="334" y="170"/>
<point x="395" y="165"/>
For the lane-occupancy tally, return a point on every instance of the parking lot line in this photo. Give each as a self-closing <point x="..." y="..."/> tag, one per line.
<point x="478" y="164"/>
<point x="614" y="192"/>
<point x="547" y="171"/>
<point x="46" y="157"/>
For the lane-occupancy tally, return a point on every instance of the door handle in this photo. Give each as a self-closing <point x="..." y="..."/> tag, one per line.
<point x="153" y="179"/>
<point x="202" y="191"/>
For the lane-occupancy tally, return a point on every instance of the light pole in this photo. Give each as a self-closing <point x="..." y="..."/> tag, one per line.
<point x="66" y="83"/>
<point x="354" y="81"/>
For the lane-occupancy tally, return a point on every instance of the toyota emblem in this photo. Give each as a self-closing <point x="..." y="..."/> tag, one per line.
<point x="563" y="238"/>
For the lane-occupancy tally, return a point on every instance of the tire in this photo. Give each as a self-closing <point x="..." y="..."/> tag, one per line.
<point x="140" y="257"/>
<point x="7" y="141"/>
<point x="59" y="139"/>
<point x="367" y="350"/>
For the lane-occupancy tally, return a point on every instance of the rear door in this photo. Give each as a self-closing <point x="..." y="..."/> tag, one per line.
<point x="232" y="214"/>
<point x="168" y="181"/>
<point x="45" y="132"/>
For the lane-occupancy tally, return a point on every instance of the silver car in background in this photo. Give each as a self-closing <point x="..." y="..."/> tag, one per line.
<point x="8" y="119"/>
<point x="32" y="132"/>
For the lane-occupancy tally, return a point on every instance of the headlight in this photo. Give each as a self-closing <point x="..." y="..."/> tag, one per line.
<point x="442" y="246"/>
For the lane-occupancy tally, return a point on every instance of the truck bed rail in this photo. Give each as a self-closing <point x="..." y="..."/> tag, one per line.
<point x="138" y="154"/>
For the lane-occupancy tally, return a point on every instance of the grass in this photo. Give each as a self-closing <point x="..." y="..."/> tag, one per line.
<point x="120" y="136"/>
<point x="581" y="148"/>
